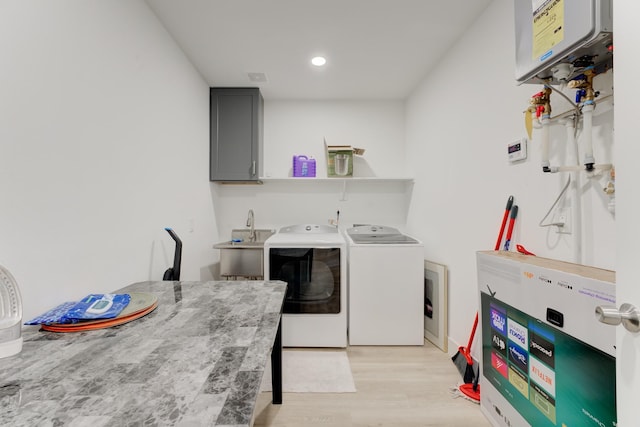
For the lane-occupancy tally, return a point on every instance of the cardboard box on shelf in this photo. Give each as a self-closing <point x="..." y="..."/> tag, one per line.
<point x="340" y="159"/>
<point x="542" y="350"/>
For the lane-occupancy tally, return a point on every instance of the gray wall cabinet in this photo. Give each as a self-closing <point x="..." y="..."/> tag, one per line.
<point x="236" y="134"/>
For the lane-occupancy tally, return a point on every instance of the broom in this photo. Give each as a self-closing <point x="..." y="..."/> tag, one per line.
<point x="462" y="359"/>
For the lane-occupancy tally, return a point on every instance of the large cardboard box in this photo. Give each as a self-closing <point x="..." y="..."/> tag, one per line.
<point x="340" y="159"/>
<point x="546" y="360"/>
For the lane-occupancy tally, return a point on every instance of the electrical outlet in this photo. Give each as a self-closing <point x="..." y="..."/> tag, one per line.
<point x="563" y="216"/>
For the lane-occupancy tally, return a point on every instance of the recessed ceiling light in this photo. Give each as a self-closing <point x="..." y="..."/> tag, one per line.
<point x="319" y="61"/>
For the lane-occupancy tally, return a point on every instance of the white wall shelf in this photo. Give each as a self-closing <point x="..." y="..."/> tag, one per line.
<point x="355" y="183"/>
<point x="349" y="179"/>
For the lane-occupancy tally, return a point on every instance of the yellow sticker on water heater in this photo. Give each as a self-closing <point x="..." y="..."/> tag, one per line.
<point x="548" y="27"/>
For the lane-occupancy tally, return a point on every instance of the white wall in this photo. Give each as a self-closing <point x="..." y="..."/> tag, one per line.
<point x="300" y="127"/>
<point x="459" y="122"/>
<point x="104" y="142"/>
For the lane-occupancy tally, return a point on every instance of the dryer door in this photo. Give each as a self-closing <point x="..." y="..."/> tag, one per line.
<point x="313" y="276"/>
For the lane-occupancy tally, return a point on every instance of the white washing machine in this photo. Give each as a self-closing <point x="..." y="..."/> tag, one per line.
<point x="312" y="260"/>
<point x="386" y="287"/>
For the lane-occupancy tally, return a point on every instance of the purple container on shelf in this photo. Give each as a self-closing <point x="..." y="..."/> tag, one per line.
<point x="304" y="167"/>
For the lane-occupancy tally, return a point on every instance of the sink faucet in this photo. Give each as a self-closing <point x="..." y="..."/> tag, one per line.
<point x="252" y="231"/>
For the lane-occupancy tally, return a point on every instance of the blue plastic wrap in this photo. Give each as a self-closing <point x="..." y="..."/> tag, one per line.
<point x="91" y="307"/>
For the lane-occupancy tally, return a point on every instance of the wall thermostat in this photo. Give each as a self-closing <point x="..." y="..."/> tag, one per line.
<point x="517" y="150"/>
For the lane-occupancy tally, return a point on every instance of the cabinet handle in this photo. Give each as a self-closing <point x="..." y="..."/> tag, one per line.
<point x="253" y="168"/>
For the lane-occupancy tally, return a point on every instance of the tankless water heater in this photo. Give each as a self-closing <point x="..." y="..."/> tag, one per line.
<point x="557" y="39"/>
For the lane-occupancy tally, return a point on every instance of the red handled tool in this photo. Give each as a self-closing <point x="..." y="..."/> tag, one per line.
<point x="471" y="389"/>
<point x="522" y="250"/>
<point x="463" y="358"/>
<point x="504" y="221"/>
<point x="512" y="221"/>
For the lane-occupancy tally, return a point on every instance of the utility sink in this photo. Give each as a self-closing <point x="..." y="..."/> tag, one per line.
<point x="243" y="235"/>
<point x="243" y="258"/>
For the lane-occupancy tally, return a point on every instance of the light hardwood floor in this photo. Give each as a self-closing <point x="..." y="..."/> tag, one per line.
<point x="396" y="386"/>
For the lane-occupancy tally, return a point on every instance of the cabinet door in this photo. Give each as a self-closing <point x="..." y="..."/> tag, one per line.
<point x="236" y="134"/>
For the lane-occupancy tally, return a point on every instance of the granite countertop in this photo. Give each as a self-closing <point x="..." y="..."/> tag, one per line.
<point x="197" y="359"/>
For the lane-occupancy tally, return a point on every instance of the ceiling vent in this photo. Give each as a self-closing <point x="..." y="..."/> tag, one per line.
<point x="257" y="77"/>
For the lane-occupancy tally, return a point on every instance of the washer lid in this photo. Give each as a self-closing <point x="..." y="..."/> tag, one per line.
<point x="378" y="234"/>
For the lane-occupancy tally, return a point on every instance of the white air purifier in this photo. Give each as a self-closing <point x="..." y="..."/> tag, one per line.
<point x="10" y="315"/>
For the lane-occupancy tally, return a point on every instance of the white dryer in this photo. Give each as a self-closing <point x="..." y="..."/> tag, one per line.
<point x="386" y="287"/>
<point x="312" y="260"/>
